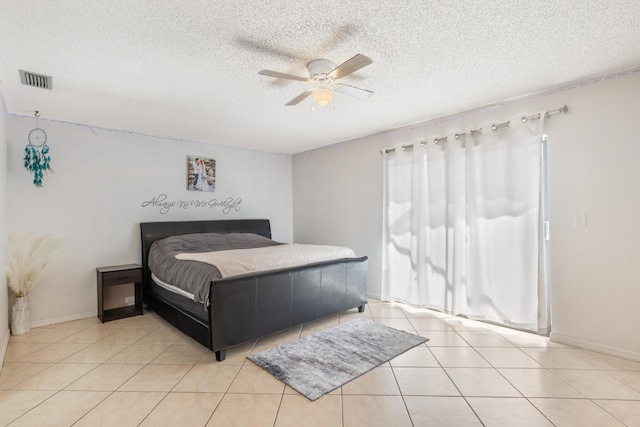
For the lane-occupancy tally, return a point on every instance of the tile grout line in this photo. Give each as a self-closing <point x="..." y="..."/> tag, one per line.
<point x="282" y="395"/>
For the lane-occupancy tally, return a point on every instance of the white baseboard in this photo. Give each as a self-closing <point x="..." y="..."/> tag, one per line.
<point x="3" y="348"/>
<point x="78" y="316"/>
<point x="600" y="348"/>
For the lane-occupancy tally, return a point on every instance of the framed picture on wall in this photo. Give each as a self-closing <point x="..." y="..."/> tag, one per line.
<point x="201" y="174"/>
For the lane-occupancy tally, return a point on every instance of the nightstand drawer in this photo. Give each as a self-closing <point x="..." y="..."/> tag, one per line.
<point x="122" y="276"/>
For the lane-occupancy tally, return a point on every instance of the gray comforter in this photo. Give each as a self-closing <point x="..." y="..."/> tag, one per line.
<point x="193" y="276"/>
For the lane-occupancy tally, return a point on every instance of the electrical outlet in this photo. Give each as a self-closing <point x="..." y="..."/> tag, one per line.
<point x="580" y="220"/>
<point x="130" y="300"/>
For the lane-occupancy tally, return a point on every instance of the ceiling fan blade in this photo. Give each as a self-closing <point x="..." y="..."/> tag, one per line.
<point x="350" y="66"/>
<point x="300" y="97"/>
<point x="353" y="91"/>
<point x="279" y="75"/>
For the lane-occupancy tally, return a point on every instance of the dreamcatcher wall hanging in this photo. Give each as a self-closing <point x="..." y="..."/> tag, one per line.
<point x="36" y="154"/>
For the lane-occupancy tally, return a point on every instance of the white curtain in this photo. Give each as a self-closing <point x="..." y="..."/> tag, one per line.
<point x="462" y="225"/>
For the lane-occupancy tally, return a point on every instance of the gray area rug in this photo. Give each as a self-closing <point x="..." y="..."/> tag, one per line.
<point x="319" y="363"/>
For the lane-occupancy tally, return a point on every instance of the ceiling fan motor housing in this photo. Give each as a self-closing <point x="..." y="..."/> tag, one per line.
<point x="320" y="67"/>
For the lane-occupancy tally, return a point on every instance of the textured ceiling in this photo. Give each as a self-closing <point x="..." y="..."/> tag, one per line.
<point x="189" y="69"/>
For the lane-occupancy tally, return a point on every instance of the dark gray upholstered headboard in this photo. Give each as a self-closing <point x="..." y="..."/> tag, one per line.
<point x="152" y="231"/>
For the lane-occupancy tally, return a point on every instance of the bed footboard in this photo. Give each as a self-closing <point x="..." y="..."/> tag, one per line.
<point x="244" y="308"/>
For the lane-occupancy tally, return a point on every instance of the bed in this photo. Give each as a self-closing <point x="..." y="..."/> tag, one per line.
<point x="248" y="306"/>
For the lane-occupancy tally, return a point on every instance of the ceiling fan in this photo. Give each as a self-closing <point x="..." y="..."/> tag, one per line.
<point x="323" y="74"/>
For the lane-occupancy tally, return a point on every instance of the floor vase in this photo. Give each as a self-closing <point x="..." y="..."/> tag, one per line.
<point x="20" y="316"/>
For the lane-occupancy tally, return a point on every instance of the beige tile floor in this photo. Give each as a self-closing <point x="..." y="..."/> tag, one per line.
<point x="142" y="371"/>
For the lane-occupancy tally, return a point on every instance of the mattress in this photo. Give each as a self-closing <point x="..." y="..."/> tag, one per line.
<point x="238" y="262"/>
<point x="191" y="262"/>
<point x="173" y="296"/>
<point x="192" y="276"/>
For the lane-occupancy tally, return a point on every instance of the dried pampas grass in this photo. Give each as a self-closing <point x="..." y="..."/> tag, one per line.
<point x="28" y="259"/>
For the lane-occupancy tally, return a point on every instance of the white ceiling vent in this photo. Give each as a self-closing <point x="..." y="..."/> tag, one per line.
<point x="36" y="80"/>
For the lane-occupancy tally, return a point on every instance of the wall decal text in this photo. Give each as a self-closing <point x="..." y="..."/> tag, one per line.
<point x="230" y="204"/>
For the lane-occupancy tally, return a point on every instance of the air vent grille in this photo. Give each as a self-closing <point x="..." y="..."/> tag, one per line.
<point x="36" y="80"/>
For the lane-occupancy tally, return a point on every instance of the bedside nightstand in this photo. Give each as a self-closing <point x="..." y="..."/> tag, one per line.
<point x="119" y="291"/>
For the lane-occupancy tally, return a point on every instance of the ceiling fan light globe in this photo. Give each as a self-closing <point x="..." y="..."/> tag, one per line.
<point x="322" y="96"/>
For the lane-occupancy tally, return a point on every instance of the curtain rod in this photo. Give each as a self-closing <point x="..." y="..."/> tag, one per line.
<point x="495" y="126"/>
<point x="548" y="114"/>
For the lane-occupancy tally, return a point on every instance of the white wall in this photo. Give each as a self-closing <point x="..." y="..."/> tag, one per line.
<point x="4" y="293"/>
<point x="94" y="200"/>
<point x="593" y="168"/>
